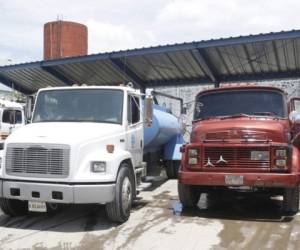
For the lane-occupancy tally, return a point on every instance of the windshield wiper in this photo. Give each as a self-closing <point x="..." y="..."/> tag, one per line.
<point x="222" y="117"/>
<point x="235" y="116"/>
<point x="207" y="118"/>
<point x="264" y="113"/>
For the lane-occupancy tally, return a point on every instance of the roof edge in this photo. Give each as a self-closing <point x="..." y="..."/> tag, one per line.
<point x="262" y="37"/>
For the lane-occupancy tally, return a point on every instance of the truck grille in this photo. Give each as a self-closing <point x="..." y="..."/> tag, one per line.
<point x="47" y="160"/>
<point x="234" y="157"/>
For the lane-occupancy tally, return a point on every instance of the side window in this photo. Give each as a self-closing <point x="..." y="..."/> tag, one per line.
<point x="133" y="109"/>
<point x="12" y="116"/>
<point x="297" y="105"/>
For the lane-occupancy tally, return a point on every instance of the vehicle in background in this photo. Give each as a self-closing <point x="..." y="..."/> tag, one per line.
<point x="84" y="145"/>
<point x="242" y="140"/>
<point x="11" y="118"/>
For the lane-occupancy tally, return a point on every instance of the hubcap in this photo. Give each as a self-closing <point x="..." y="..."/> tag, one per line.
<point x="53" y="206"/>
<point x="126" y="194"/>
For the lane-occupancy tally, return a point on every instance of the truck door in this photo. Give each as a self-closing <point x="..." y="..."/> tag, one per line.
<point x="134" y="134"/>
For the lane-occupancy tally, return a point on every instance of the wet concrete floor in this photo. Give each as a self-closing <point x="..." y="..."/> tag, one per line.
<point x="219" y="222"/>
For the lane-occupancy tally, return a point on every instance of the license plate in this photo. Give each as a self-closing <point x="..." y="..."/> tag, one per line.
<point x="37" y="206"/>
<point x="234" y="180"/>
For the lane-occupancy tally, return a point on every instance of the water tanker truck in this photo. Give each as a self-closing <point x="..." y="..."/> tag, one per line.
<point x="244" y="139"/>
<point x="85" y="145"/>
<point x="163" y="139"/>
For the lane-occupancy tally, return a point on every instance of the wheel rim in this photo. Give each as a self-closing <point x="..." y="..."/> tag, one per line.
<point x="126" y="194"/>
<point x="53" y="206"/>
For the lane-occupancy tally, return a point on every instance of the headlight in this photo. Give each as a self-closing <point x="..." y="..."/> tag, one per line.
<point x="281" y="158"/>
<point x="281" y="163"/>
<point x="193" y="156"/>
<point x="193" y="161"/>
<point x="281" y="153"/>
<point x="193" y="152"/>
<point x="3" y="135"/>
<point x="98" y="166"/>
<point x="260" y="155"/>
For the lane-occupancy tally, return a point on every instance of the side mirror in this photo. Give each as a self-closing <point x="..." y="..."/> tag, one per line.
<point x="28" y="107"/>
<point x="294" y="117"/>
<point x="148" y="111"/>
<point x="183" y="122"/>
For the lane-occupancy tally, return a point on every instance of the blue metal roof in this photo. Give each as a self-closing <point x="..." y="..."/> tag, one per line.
<point x="244" y="58"/>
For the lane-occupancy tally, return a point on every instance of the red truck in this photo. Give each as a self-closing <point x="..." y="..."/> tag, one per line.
<point x="243" y="138"/>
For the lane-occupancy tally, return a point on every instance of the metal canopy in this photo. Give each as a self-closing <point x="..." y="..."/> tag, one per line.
<point x="244" y="58"/>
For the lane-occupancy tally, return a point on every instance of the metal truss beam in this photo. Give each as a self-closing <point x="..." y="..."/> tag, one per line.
<point x="14" y="85"/>
<point x="58" y="75"/>
<point x="208" y="67"/>
<point x="128" y="73"/>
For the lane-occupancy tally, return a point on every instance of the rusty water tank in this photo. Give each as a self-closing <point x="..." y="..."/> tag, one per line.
<point x="65" y="39"/>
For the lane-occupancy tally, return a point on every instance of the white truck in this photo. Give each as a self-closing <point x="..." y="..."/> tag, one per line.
<point x="11" y="118"/>
<point x="84" y="145"/>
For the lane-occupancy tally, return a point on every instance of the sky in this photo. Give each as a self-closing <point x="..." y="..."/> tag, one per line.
<point x="126" y="24"/>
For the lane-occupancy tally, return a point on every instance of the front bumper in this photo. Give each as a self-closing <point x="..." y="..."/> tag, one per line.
<point x="249" y="179"/>
<point x="58" y="193"/>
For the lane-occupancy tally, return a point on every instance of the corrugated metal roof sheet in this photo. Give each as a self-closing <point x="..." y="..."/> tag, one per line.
<point x="244" y="58"/>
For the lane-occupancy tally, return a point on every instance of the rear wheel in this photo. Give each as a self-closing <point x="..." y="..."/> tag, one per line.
<point x="119" y="209"/>
<point x="172" y="168"/>
<point x="188" y="195"/>
<point x="13" y="207"/>
<point x="291" y="200"/>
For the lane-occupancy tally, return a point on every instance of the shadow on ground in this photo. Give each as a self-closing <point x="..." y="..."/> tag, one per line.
<point x="247" y="206"/>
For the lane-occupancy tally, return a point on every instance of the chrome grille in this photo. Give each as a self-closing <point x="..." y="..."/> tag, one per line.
<point x="234" y="157"/>
<point x="46" y="160"/>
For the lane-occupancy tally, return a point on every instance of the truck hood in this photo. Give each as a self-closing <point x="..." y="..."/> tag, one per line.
<point x="243" y="129"/>
<point x="63" y="133"/>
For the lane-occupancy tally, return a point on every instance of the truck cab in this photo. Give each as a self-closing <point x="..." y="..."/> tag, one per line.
<point x="83" y="145"/>
<point x="242" y="138"/>
<point x="11" y="118"/>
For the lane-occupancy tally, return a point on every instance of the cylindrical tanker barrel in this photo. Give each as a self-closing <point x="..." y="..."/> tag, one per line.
<point x="164" y="127"/>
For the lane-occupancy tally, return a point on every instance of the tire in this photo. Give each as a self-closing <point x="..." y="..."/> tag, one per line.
<point x="119" y="209"/>
<point x="54" y="208"/>
<point x="188" y="195"/>
<point x="291" y="200"/>
<point x="172" y="168"/>
<point x="13" y="207"/>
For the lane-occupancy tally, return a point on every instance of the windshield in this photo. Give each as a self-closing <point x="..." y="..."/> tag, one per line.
<point x="79" y="105"/>
<point x="12" y="116"/>
<point x="245" y="102"/>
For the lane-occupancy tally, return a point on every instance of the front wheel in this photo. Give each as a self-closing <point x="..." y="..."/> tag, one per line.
<point x="188" y="195"/>
<point x="119" y="209"/>
<point x="13" y="207"/>
<point x="291" y="200"/>
<point x="54" y="208"/>
<point x="172" y="168"/>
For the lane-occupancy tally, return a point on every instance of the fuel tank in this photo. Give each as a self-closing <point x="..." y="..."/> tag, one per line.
<point x="164" y="127"/>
